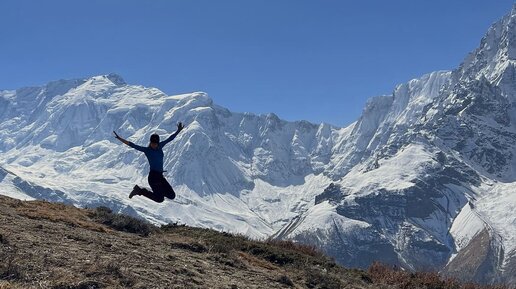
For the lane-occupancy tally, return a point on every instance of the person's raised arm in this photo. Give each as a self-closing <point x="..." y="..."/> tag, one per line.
<point x="137" y="147"/>
<point x="173" y="136"/>
<point x="120" y="138"/>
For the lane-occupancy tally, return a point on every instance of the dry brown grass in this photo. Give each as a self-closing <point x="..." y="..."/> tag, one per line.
<point x="122" y="222"/>
<point x="322" y="279"/>
<point x="9" y="266"/>
<point x="65" y="247"/>
<point x="6" y="285"/>
<point x="309" y="250"/>
<point x="388" y="275"/>
<point x="56" y="212"/>
<point x="254" y="261"/>
<point x="100" y="219"/>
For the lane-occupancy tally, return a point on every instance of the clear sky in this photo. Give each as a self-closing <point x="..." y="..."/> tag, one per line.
<point x="317" y="60"/>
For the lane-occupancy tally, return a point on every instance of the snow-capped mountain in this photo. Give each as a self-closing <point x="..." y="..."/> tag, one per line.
<point x="435" y="185"/>
<point x="425" y="178"/>
<point x="225" y="166"/>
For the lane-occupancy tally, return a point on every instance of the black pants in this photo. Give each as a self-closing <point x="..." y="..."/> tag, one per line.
<point x="160" y="188"/>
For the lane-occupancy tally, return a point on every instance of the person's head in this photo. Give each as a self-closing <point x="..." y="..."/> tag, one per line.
<point x="154" y="141"/>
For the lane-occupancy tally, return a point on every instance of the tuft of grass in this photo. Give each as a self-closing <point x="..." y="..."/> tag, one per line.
<point x="275" y="252"/>
<point x="318" y="278"/>
<point x="3" y="240"/>
<point x="9" y="267"/>
<point x="272" y="254"/>
<point x="297" y="247"/>
<point x="283" y="279"/>
<point x="125" y="223"/>
<point x="230" y="260"/>
<point x="257" y="262"/>
<point x="111" y="272"/>
<point x="86" y="284"/>
<point x="194" y="247"/>
<point x="8" y="285"/>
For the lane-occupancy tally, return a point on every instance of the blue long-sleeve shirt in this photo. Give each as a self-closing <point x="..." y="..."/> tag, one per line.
<point x="154" y="156"/>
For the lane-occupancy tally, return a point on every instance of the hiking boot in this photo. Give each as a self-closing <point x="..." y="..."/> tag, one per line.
<point x="135" y="192"/>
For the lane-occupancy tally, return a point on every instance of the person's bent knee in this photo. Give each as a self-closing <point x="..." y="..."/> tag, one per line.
<point x="170" y="194"/>
<point x="160" y="199"/>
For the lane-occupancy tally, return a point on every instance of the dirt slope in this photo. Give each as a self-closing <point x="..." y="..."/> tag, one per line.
<point x="49" y="245"/>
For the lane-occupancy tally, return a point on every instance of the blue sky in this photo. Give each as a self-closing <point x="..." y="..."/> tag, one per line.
<point x="317" y="60"/>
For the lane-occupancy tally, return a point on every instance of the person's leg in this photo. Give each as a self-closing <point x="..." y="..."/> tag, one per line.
<point x="153" y="180"/>
<point x="161" y="187"/>
<point x="155" y="197"/>
<point x="134" y="192"/>
<point x="167" y="189"/>
<point x="155" y="184"/>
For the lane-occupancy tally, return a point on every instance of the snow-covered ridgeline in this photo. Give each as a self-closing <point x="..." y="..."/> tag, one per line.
<point x="414" y="181"/>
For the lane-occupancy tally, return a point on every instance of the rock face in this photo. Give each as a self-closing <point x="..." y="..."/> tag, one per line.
<point x="477" y="260"/>
<point x="424" y="179"/>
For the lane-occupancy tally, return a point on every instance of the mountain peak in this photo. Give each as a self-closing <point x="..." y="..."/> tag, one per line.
<point x="108" y="79"/>
<point x="404" y="173"/>
<point x="116" y="79"/>
<point x="496" y="51"/>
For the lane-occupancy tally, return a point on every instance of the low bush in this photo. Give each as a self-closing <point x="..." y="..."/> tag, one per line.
<point x="123" y="223"/>
<point x="272" y="254"/>
<point x="321" y="279"/>
<point x="298" y="247"/>
<point x="283" y="279"/>
<point x="389" y="275"/>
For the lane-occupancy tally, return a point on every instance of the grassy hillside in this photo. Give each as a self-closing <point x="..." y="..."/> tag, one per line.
<point x="48" y="245"/>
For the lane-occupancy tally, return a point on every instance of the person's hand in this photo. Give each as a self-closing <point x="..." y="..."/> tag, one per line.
<point x="117" y="136"/>
<point x="180" y="127"/>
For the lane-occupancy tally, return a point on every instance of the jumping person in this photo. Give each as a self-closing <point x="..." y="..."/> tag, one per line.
<point x="154" y="153"/>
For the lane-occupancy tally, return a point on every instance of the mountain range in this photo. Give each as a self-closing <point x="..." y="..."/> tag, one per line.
<point x="425" y="179"/>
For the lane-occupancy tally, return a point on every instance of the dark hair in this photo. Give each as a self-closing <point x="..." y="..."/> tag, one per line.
<point x="154" y="138"/>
